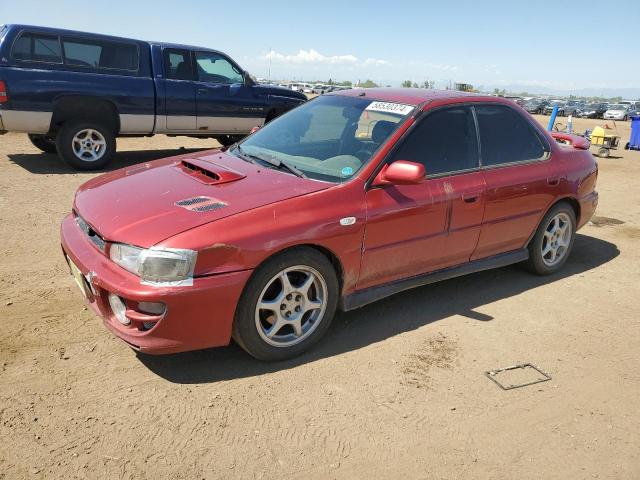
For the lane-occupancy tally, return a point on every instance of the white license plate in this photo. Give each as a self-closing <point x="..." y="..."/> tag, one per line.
<point x="78" y="277"/>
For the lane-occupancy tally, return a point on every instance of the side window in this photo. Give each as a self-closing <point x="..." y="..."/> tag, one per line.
<point x="505" y="136"/>
<point x="36" y="47"/>
<point x="100" y="54"/>
<point x="177" y="64"/>
<point x="214" y="68"/>
<point x="443" y="141"/>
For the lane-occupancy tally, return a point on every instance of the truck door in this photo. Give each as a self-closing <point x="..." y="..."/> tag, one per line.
<point x="180" y="90"/>
<point x="225" y="103"/>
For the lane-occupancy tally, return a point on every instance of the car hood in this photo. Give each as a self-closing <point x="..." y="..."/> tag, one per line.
<point x="281" y="92"/>
<point x="147" y="203"/>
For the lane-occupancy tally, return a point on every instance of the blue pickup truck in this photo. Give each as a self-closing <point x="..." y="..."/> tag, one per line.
<point x="75" y="92"/>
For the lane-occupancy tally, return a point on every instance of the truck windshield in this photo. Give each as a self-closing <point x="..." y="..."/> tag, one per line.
<point x="329" y="138"/>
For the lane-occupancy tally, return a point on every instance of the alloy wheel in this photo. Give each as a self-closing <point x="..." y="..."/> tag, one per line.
<point x="291" y="306"/>
<point x="557" y="239"/>
<point x="89" y="145"/>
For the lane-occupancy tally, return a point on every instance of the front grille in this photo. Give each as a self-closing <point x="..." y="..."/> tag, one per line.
<point x="97" y="240"/>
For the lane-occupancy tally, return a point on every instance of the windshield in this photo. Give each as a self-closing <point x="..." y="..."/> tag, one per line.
<point x="329" y="138"/>
<point x="618" y="107"/>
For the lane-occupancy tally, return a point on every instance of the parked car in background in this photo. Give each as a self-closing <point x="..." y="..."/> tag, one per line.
<point x="75" y="92"/>
<point x="264" y="241"/>
<point x="593" y="110"/>
<point x="536" y="106"/>
<point x="550" y="106"/>
<point x="618" y="111"/>
<point x="320" y="89"/>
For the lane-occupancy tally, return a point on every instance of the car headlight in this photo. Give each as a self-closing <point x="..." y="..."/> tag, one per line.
<point x="155" y="265"/>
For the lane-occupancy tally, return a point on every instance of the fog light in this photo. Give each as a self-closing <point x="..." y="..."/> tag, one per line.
<point x="154" y="308"/>
<point x="118" y="308"/>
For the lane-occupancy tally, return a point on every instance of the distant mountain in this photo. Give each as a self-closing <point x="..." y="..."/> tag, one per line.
<point x="626" y="93"/>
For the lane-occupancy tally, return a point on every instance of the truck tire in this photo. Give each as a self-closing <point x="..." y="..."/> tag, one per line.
<point x="86" y="144"/>
<point x="43" y="143"/>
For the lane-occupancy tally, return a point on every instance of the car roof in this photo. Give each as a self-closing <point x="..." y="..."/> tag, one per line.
<point x="410" y="96"/>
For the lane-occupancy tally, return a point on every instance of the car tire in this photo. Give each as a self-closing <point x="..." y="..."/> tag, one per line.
<point x="304" y="305"/>
<point x="86" y="144"/>
<point x="552" y="243"/>
<point x="625" y="118"/>
<point x="43" y="143"/>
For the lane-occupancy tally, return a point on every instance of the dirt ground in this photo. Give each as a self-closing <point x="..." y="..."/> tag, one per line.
<point x="396" y="389"/>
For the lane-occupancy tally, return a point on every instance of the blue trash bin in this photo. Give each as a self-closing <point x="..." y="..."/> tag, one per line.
<point x="634" y="141"/>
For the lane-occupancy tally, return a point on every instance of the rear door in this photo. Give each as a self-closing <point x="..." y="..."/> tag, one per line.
<point x="225" y="104"/>
<point x="520" y="187"/>
<point x="180" y="90"/>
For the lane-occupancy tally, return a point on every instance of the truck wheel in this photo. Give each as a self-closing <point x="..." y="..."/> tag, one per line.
<point x="43" y="143"/>
<point x="552" y="243"/>
<point x="287" y="305"/>
<point x="86" y="144"/>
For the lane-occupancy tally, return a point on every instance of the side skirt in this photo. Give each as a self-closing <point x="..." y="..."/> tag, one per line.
<point x="364" y="297"/>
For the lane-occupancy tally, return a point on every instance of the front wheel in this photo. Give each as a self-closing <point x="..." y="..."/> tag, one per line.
<point x="552" y="243"/>
<point x="43" y="143"/>
<point x="86" y="144"/>
<point x="287" y="305"/>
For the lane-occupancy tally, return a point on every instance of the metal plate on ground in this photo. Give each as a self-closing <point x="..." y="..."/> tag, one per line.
<point x="517" y="376"/>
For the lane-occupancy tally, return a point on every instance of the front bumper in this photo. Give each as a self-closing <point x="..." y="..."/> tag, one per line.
<point x="196" y="317"/>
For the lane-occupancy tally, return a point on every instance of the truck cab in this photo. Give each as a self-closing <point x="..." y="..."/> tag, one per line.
<point x="74" y="93"/>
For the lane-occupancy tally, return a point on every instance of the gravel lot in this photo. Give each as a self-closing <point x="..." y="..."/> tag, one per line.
<point x="396" y="389"/>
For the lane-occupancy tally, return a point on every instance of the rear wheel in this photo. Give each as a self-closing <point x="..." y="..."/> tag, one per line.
<point x="86" y="144"/>
<point x="552" y="243"/>
<point x="44" y="143"/>
<point x="287" y="305"/>
<point x="603" y="152"/>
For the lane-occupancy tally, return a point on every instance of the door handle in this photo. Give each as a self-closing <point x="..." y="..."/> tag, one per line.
<point x="553" y="181"/>
<point x="202" y="90"/>
<point x="470" y="197"/>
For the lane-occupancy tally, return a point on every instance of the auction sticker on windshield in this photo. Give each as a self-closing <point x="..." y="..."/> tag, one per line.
<point x="387" y="107"/>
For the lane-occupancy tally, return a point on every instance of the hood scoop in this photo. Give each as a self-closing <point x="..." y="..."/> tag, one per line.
<point x="201" y="204"/>
<point x="209" y="172"/>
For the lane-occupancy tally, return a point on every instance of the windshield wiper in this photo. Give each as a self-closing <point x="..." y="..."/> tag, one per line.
<point x="249" y="157"/>
<point x="290" y="168"/>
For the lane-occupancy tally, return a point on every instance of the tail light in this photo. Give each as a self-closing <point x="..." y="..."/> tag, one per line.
<point x="4" y="98"/>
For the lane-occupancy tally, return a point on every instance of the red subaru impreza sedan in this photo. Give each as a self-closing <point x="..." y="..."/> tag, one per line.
<point x="347" y="199"/>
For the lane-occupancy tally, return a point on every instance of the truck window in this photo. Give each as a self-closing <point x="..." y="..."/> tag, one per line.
<point x="177" y="64"/>
<point x="100" y="54"/>
<point x="214" y="68"/>
<point x="37" y="47"/>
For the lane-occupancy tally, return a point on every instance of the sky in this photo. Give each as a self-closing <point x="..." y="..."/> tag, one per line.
<point x="538" y="44"/>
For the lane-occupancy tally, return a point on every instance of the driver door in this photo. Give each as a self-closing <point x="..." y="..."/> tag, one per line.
<point x="225" y="103"/>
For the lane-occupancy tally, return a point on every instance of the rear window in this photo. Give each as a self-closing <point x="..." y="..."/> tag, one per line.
<point x="100" y="54"/>
<point x="37" y="47"/>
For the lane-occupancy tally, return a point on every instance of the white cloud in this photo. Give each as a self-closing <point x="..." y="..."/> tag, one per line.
<point x="435" y="66"/>
<point x="314" y="57"/>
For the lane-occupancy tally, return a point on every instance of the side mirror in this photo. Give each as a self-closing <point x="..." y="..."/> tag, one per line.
<point x="401" y="172"/>
<point x="248" y="81"/>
